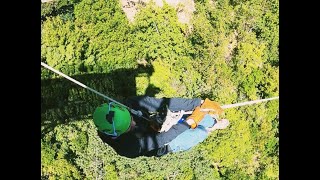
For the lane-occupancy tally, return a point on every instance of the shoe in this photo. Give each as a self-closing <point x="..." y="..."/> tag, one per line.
<point x="221" y="124"/>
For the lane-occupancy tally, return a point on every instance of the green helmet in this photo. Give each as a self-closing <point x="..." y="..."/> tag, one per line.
<point x="113" y="122"/>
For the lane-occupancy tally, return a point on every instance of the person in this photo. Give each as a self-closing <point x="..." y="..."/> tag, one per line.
<point x="131" y="135"/>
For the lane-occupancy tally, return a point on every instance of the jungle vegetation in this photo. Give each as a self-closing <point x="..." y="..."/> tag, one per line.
<point x="228" y="53"/>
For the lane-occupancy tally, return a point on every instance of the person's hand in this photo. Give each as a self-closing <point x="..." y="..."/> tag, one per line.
<point x="211" y="107"/>
<point x="155" y="126"/>
<point x="196" y="116"/>
<point x="136" y="112"/>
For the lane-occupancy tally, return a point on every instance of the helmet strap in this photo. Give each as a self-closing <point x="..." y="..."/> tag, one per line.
<point x="110" y="116"/>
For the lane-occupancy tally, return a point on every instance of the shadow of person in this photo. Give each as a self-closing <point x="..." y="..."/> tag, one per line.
<point x="152" y="90"/>
<point x="63" y="101"/>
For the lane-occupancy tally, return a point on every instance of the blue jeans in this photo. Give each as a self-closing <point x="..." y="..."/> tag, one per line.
<point x="192" y="137"/>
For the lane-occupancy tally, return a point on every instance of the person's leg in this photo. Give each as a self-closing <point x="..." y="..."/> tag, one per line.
<point x="149" y="104"/>
<point x="178" y="104"/>
<point x="192" y="137"/>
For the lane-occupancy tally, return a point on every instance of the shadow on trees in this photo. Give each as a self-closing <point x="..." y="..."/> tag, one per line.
<point x="63" y="101"/>
<point x="51" y="10"/>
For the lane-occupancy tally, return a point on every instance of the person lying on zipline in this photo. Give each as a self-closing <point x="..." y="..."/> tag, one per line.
<point x="131" y="135"/>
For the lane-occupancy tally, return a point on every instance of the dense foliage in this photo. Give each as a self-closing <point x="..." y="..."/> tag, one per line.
<point x="229" y="53"/>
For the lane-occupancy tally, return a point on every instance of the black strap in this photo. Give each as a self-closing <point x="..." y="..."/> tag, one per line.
<point x="109" y="116"/>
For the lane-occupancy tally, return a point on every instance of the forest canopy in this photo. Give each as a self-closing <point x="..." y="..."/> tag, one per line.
<point x="228" y="52"/>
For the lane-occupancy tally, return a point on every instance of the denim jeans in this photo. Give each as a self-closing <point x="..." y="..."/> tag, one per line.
<point x="192" y="137"/>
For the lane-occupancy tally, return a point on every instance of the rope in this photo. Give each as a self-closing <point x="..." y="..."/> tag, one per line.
<point x="138" y="113"/>
<point x="248" y="102"/>
<point x="243" y="103"/>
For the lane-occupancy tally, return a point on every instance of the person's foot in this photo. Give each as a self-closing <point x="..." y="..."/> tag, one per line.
<point x="215" y="116"/>
<point x="221" y="124"/>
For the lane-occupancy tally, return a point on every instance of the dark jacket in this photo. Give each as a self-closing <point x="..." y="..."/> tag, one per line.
<point x="144" y="140"/>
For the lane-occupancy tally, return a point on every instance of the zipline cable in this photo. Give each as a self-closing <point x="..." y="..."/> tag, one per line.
<point x="248" y="103"/>
<point x="243" y="103"/>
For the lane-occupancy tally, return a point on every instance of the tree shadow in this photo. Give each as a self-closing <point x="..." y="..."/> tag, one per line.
<point x="63" y="101"/>
<point x="52" y="9"/>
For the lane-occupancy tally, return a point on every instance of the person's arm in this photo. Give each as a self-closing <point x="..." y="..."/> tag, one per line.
<point x="152" y="104"/>
<point x="178" y="104"/>
<point x="147" y="106"/>
<point x="145" y="103"/>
